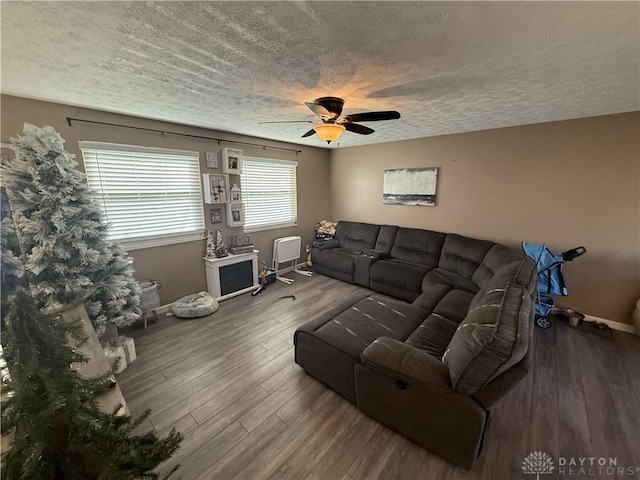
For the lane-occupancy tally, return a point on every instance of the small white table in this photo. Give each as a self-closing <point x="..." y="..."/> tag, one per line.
<point x="232" y="275"/>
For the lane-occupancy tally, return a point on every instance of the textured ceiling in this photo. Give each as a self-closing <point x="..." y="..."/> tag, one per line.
<point x="448" y="67"/>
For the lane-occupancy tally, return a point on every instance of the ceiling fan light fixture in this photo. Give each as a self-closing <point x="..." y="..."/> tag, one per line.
<point x="329" y="132"/>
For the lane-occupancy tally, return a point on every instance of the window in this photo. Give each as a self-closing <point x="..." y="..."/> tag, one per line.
<point x="150" y="196"/>
<point x="268" y="193"/>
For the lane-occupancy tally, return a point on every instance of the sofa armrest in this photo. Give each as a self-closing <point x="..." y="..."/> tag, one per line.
<point x="326" y="244"/>
<point x="409" y="364"/>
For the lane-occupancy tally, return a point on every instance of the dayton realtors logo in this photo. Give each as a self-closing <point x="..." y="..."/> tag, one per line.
<point x="537" y="463"/>
<point x="540" y="463"/>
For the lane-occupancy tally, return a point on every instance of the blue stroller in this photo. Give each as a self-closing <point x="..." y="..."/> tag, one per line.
<point x="550" y="278"/>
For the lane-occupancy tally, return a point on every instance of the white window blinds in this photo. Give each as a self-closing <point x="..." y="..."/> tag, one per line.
<point x="150" y="196"/>
<point x="269" y="193"/>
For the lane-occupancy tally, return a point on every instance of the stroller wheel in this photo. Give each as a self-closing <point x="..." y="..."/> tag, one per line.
<point x="543" y="322"/>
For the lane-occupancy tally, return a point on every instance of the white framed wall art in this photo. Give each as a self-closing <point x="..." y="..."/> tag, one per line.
<point x="235" y="214"/>
<point x="410" y="186"/>
<point x="216" y="188"/>
<point x="232" y="161"/>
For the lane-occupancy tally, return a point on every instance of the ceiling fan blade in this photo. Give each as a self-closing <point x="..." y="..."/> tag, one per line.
<point x="355" y="128"/>
<point x="309" y="133"/>
<point x="289" y="121"/>
<point x="319" y="110"/>
<point x="371" y="116"/>
<point x="331" y="104"/>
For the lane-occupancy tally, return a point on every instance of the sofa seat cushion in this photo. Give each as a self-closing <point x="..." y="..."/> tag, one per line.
<point x="339" y="259"/>
<point x="398" y="278"/>
<point x="454" y="305"/>
<point x="448" y="302"/>
<point x="329" y="346"/>
<point x="354" y="329"/>
<point x="493" y="337"/>
<point x="428" y="299"/>
<point x="441" y="276"/>
<point x="446" y="307"/>
<point x="433" y="335"/>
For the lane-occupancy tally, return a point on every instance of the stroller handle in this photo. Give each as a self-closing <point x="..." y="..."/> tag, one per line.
<point x="573" y="253"/>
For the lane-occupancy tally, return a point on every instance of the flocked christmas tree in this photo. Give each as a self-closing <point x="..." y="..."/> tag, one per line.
<point x="49" y="412"/>
<point x="210" y="251"/>
<point x="11" y="269"/>
<point x="65" y="245"/>
<point x="57" y="429"/>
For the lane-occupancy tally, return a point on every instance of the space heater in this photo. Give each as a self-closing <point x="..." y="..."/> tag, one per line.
<point x="287" y="249"/>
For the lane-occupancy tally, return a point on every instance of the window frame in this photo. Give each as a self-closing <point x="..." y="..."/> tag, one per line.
<point x="154" y="239"/>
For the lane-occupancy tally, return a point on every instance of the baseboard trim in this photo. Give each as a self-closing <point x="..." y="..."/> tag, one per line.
<point x="623" y="327"/>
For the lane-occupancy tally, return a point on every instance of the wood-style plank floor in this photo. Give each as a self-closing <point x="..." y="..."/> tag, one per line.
<point x="229" y="383"/>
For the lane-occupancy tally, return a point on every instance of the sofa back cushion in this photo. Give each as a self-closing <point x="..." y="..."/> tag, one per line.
<point x="493" y="337"/>
<point x="422" y="247"/>
<point x="357" y="236"/>
<point x="497" y="257"/>
<point x="462" y="255"/>
<point x="386" y="238"/>
<point x="433" y="335"/>
<point x="520" y="272"/>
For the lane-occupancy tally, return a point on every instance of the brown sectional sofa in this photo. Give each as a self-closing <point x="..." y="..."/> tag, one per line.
<point x="432" y="369"/>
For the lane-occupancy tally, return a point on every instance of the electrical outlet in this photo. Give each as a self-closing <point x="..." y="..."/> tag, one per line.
<point x="306" y="248"/>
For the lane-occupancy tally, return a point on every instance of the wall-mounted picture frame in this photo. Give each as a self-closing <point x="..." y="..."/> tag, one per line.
<point x="232" y="161"/>
<point x="410" y="186"/>
<point x="215" y="215"/>
<point x="216" y="188"/>
<point x="212" y="160"/>
<point x="235" y="214"/>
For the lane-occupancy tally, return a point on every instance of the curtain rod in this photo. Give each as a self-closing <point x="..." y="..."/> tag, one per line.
<point x="166" y="132"/>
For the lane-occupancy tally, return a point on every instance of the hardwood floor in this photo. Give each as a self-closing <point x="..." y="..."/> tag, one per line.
<point x="229" y="383"/>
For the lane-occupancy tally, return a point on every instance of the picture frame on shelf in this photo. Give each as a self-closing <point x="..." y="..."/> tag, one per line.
<point x="216" y="188"/>
<point x="235" y="214"/>
<point x="212" y="160"/>
<point x="232" y="161"/>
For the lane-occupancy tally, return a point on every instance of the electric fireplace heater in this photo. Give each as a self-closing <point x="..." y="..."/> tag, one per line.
<point x="232" y="275"/>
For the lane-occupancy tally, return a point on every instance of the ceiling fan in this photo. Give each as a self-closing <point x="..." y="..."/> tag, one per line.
<point x="333" y="123"/>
